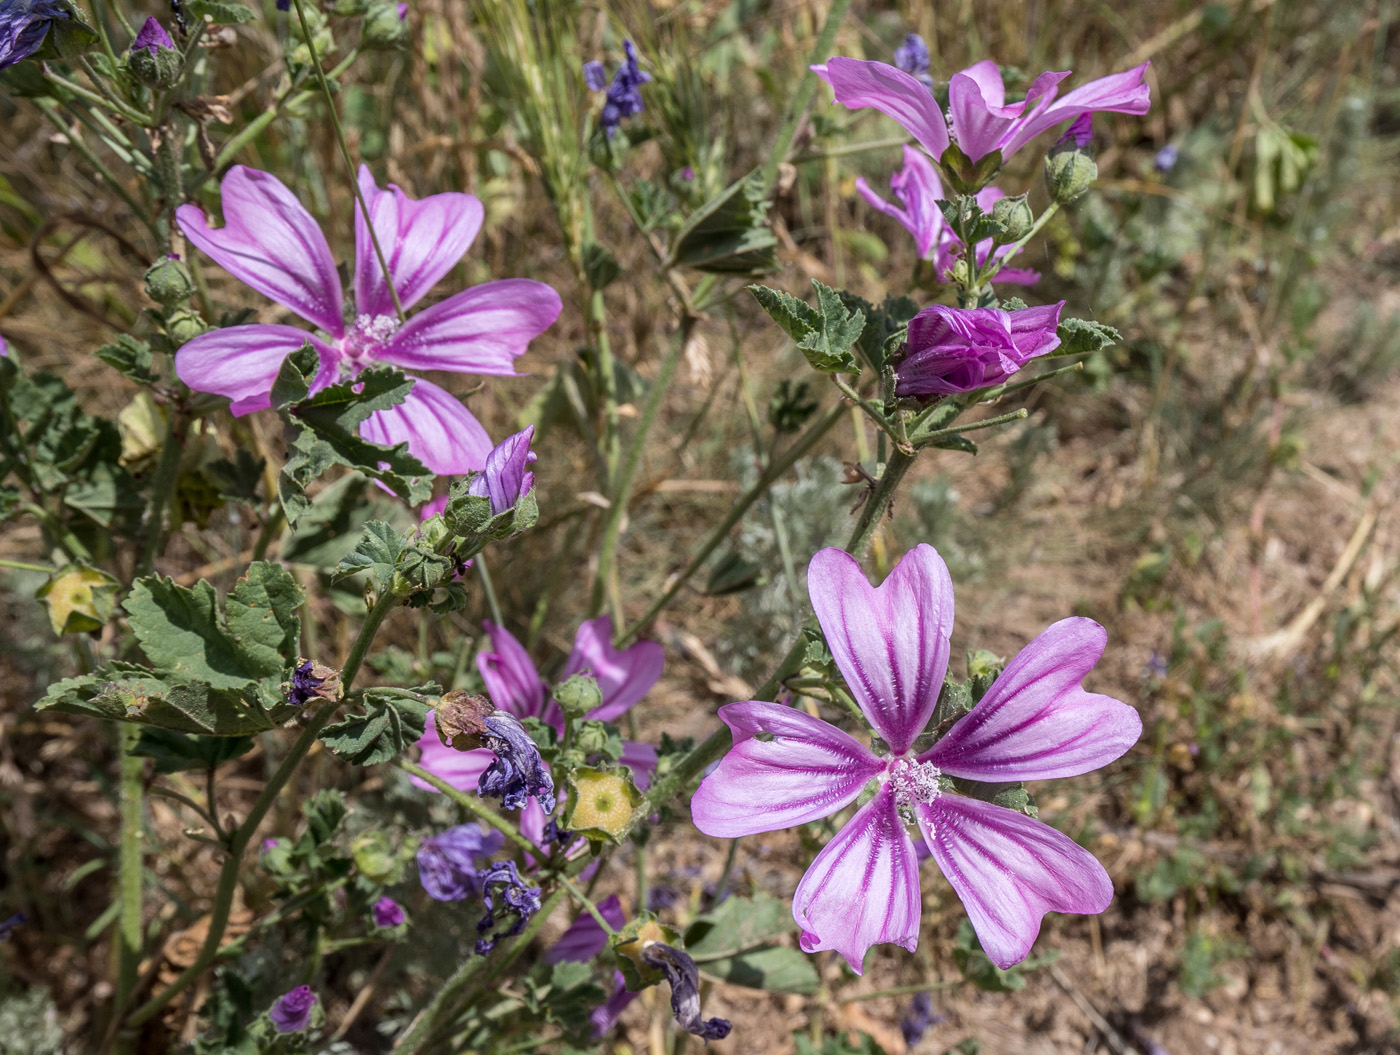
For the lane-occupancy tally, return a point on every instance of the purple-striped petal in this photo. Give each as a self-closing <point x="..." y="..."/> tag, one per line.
<point x="890" y="642"/>
<point x="1036" y="722"/>
<point x="511" y="679"/>
<point x="623" y="677"/>
<point x="440" y="432"/>
<point x="863" y="888"/>
<point x="585" y="937"/>
<point x="1009" y="870"/>
<point x="505" y="480"/>
<point x="422" y="241"/>
<point x="1124" y="93"/>
<point x="461" y="769"/>
<point x="977" y="110"/>
<point x="785" y="768"/>
<point x="859" y="83"/>
<point x="270" y="242"/>
<point x="478" y="331"/>
<point x="241" y="362"/>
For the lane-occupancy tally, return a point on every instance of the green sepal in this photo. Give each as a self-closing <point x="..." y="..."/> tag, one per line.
<point x="967" y="176"/>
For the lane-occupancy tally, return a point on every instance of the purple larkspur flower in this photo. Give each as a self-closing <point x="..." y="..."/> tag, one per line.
<point x="503" y="894"/>
<point x="517" y="773"/>
<point x="292" y="1012"/>
<point x="153" y="38"/>
<point x="624" y="98"/>
<point x="981" y="120"/>
<point x="960" y="349"/>
<point x="891" y="645"/>
<point x="505" y="478"/>
<point x="917" y="189"/>
<point x="12" y="924"/>
<point x="912" y="58"/>
<point x="920" y="1017"/>
<point x="24" y="25"/>
<point x="448" y="862"/>
<point x="387" y="912"/>
<point x="271" y="243"/>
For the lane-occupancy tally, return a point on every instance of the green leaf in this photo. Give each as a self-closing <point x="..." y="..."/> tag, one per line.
<point x="222" y="12"/>
<point x="129" y="356"/>
<point x="729" y="234"/>
<point x="738" y="924"/>
<point x="779" y="969"/>
<point x="324" y="812"/>
<point x="176" y="752"/>
<point x="240" y="479"/>
<point x="181" y="632"/>
<point x="67" y="38"/>
<point x="1078" y="336"/>
<point x="391" y="722"/>
<point x="824" y="334"/>
<point x="377" y="553"/>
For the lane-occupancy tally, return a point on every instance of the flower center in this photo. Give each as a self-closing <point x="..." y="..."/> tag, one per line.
<point x="361" y="345"/>
<point x="913" y="782"/>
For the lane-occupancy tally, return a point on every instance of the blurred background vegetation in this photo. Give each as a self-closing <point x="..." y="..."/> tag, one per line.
<point x="1219" y="490"/>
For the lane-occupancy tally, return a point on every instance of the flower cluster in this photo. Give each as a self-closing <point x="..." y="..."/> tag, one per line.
<point x="624" y="94"/>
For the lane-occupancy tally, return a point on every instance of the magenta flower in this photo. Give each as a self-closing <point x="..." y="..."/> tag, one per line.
<point x="292" y="1012"/>
<point x="918" y="190"/>
<point x="386" y="912"/>
<point x="273" y="244"/>
<point x="504" y="479"/>
<point x="891" y="644"/>
<point x="982" y="121"/>
<point x="953" y="350"/>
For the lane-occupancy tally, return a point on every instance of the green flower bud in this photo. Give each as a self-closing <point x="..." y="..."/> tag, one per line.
<point x="154" y="60"/>
<point x="1015" y="216"/>
<point x="167" y="281"/>
<point x="578" y="695"/>
<point x="384" y="26"/>
<point x="183" y="326"/>
<point x="1069" y="172"/>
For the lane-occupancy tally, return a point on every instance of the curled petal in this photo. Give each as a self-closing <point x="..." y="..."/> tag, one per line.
<point x="890" y="642"/>
<point x="623" y="677"/>
<point x="440" y="432"/>
<point x="918" y="189"/>
<point x="422" y="241"/>
<point x="1009" y="870"/>
<point x="1036" y="722"/>
<point x="863" y="888"/>
<point x="785" y="768"/>
<point x="859" y="83"/>
<point x="241" y="362"/>
<point x="1124" y="93"/>
<point x="270" y="242"/>
<point x="511" y="679"/>
<point x="478" y="331"/>
<point x="505" y="480"/>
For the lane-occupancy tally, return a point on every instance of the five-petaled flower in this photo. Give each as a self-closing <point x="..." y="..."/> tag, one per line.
<point x="918" y="190"/>
<point x="982" y="120"/>
<point x="273" y="244"/>
<point x="891" y="645"/>
<point x="950" y="350"/>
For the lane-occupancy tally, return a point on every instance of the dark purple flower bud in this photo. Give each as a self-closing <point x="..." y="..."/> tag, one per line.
<point x="292" y="1012"/>
<point x="503" y="893"/>
<point x="1165" y="159"/>
<point x="403" y="12"/>
<point x="313" y="681"/>
<point x="684" y="976"/>
<point x="624" y="93"/>
<point x="387" y="913"/>
<point x="9" y="926"/>
<point x="518" y="771"/>
<point x="24" y="25"/>
<point x="952" y="350"/>
<point x="912" y="58"/>
<point x="920" y="1017"/>
<point x="448" y="862"/>
<point x="505" y="480"/>
<point x="688" y="174"/>
<point x="1081" y="133"/>
<point x="153" y="38"/>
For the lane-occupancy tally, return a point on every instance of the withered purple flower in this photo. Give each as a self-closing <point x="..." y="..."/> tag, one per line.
<point x="504" y="894"/>
<point x="684" y="976"/>
<point x="449" y="862"/>
<point x="517" y="772"/>
<point x="387" y="913"/>
<point x="24" y="25"/>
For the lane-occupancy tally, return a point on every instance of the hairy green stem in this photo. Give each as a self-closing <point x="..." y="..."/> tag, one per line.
<point x="587" y="903"/>
<point x="994" y="265"/>
<point x="19" y="565"/>
<point x="132" y="781"/>
<point x="776" y="468"/>
<point x="493" y="604"/>
<point x="112" y="103"/>
<point x="471" y="803"/>
<point x="1019" y="414"/>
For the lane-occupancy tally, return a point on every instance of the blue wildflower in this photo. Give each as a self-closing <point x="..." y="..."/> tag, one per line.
<point x="449" y="863"/>
<point x="624" y="97"/>
<point x="517" y="771"/>
<point x="24" y="26"/>
<point x="292" y="1012"/>
<point x="503" y="893"/>
<point x="920" y="1017"/>
<point x="912" y="58"/>
<point x="1165" y="159"/>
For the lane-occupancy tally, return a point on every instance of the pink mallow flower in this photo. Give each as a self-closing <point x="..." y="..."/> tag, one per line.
<point x="273" y="244"/>
<point x="891" y="645"/>
<point x="505" y="478"/>
<point x="982" y="121"/>
<point x="514" y="685"/>
<point x="917" y="190"/>
<point x="950" y="350"/>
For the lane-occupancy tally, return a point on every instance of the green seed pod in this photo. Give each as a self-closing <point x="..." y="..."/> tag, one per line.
<point x="168" y="283"/>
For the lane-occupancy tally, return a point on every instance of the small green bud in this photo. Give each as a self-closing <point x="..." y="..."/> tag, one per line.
<point x="1069" y="172"/>
<point x="183" y="326"/>
<point x="578" y="695"/>
<point x="168" y="283"/>
<point x="1015" y="217"/>
<point x="384" y="26"/>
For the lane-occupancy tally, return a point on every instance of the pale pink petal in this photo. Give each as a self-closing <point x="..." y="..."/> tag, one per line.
<point x="440" y="432"/>
<point x="511" y="679"/>
<point x="1036" y="721"/>
<point x="241" y="362"/>
<point x="1009" y="870"/>
<point x="624" y="677"/>
<point x="270" y="242"/>
<point x="461" y="769"/>
<point x="422" y="241"/>
<point x="890" y="642"/>
<point x="863" y="888"/>
<point x="481" y="330"/>
<point x="859" y="83"/>
<point x="785" y="768"/>
<point x="1126" y="93"/>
